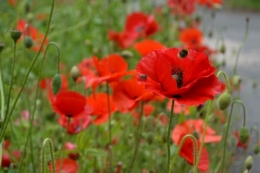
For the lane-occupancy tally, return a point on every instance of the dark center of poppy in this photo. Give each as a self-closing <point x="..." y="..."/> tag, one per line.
<point x="193" y="41"/>
<point x="177" y="74"/>
<point x="183" y="53"/>
<point x="142" y="77"/>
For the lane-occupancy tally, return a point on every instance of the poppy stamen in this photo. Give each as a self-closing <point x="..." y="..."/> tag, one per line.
<point x="177" y="74"/>
<point x="142" y="77"/>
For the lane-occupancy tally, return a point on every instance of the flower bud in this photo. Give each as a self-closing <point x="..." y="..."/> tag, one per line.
<point x="15" y="34"/>
<point x="2" y="46"/>
<point x="243" y="135"/>
<point x="249" y="162"/>
<point x="223" y="49"/>
<point x="224" y="101"/>
<point x="196" y="135"/>
<point x="256" y="149"/>
<point x="75" y="73"/>
<point x="236" y="81"/>
<point x="126" y="54"/>
<point x="56" y="84"/>
<point x="28" y="42"/>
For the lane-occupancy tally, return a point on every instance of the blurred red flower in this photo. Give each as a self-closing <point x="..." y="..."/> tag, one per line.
<point x="182" y="7"/>
<point x="72" y="148"/>
<point x="69" y="104"/>
<point x="190" y="80"/>
<point x="6" y="158"/>
<point x="12" y="2"/>
<point x="147" y="46"/>
<point x="191" y="38"/>
<point x="137" y="25"/>
<point x="29" y="30"/>
<point x="210" y="3"/>
<point x="65" y="166"/>
<point x="128" y="93"/>
<point x="98" y="102"/>
<point x="192" y="127"/>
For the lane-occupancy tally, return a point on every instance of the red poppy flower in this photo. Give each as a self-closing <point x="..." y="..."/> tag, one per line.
<point x="147" y="46"/>
<point x="178" y="108"/>
<point x="98" y="102"/>
<point x="190" y="80"/>
<point x="69" y="104"/>
<point x="6" y="158"/>
<point x="182" y="7"/>
<point x="194" y="127"/>
<point x="30" y="30"/>
<point x="187" y="152"/>
<point x="109" y="69"/>
<point x="147" y="111"/>
<point x="239" y="143"/>
<point x="65" y="166"/>
<point x="210" y="3"/>
<point x="128" y="93"/>
<point x="76" y="125"/>
<point x="137" y="25"/>
<point x="191" y="38"/>
<point x="12" y="2"/>
<point x="73" y="154"/>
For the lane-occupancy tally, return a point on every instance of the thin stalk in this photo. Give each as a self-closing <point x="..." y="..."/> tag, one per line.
<point x="169" y="139"/>
<point x="204" y="133"/>
<point x="226" y="132"/>
<point x="195" y="148"/>
<point x="137" y="137"/>
<point x="109" y="128"/>
<point x="2" y="111"/>
<point x="27" y="75"/>
<point x="226" y="80"/>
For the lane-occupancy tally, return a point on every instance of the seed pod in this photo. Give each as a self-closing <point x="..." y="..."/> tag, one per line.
<point x="56" y="84"/>
<point x="15" y="34"/>
<point x="224" y="101"/>
<point x="28" y="42"/>
<point x="243" y="135"/>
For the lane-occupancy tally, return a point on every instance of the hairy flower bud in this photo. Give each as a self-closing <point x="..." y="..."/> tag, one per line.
<point x="56" y="84"/>
<point x="15" y="34"/>
<point x="126" y="54"/>
<point x="28" y="42"/>
<point x="224" y="100"/>
<point x="256" y="149"/>
<point x="223" y="49"/>
<point x="243" y="135"/>
<point x="249" y="162"/>
<point x="75" y="73"/>
<point x="236" y="81"/>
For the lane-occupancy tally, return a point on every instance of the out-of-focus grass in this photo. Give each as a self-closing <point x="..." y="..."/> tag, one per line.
<point x="253" y="5"/>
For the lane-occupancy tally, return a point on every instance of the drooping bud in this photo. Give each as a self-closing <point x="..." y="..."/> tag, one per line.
<point x="256" y="149"/>
<point x="28" y="42"/>
<point x="56" y="84"/>
<point x="183" y="53"/>
<point x="223" y="49"/>
<point x="243" y="135"/>
<point x="2" y="46"/>
<point x="126" y="54"/>
<point x="15" y="34"/>
<point x="249" y="162"/>
<point x="75" y="73"/>
<point x="236" y="81"/>
<point x="224" y="100"/>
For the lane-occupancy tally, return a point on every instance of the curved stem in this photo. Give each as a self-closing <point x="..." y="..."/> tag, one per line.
<point x="109" y="128"/>
<point x="179" y="149"/>
<point x="36" y="97"/>
<point x="226" y="80"/>
<point x="204" y="133"/>
<point x="137" y="137"/>
<point x="168" y="139"/>
<point x="49" y="142"/>
<point x="240" y="48"/>
<point x="226" y="132"/>
<point x="27" y="74"/>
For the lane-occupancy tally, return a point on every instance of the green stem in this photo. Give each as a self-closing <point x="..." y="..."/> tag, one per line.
<point x="169" y="139"/>
<point x="27" y="74"/>
<point x="240" y="48"/>
<point x="109" y="128"/>
<point x="226" y="80"/>
<point x="47" y="141"/>
<point x="179" y="149"/>
<point x="204" y="133"/>
<point x="226" y="132"/>
<point x="2" y="110"/>
<point x="35" y="100"/>
<point x="137" y="137"/>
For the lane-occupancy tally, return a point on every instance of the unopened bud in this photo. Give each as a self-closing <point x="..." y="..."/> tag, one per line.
<point x="256" y="149"/>
<point x="15" y="34"/>
<point x="56" y="84"/>
<point x="75" y="73"/>
<point x="28" y="42"/>
<point x="126" y="54"/>
<point x="196" y="135"/>
<point x="236" y="81"/>
<point x="243" y="135"/>
<point x="223" y="49"/>
<point x="249" y="162"/>
<point x="224" y="100"/>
